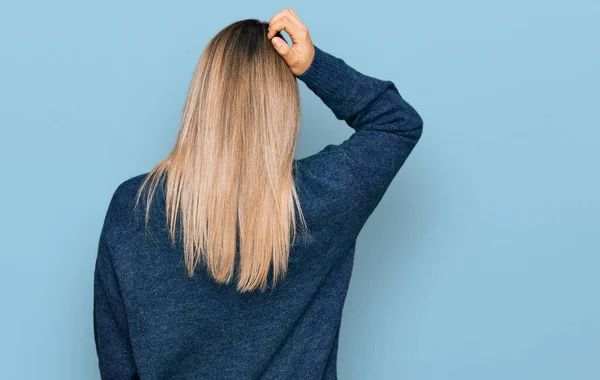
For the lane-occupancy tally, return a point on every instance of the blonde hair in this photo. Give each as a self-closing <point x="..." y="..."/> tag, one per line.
<point x="229" y="175"/>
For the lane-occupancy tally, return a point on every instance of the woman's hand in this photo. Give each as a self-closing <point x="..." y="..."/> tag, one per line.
<point x="299" y="56"/>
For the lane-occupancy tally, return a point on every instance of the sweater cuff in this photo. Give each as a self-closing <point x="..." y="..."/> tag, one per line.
<point x="319" y="69"/>
<point x="343" y="89"/>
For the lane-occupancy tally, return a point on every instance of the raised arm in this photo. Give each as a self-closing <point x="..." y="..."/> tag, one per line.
<point x="357" y="172"/>
<point x="386" y="127"/>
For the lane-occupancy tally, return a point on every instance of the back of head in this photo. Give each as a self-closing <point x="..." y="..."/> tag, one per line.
<point x="228" y="181"/>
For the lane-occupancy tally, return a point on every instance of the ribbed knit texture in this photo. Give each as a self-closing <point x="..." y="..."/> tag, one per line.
<point x="152" y="321"/>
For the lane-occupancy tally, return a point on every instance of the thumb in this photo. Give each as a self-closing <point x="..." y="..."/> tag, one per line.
<point x="281" y="46"/>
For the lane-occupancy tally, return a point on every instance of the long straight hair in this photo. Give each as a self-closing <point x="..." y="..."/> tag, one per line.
<point x="229" y="175"/>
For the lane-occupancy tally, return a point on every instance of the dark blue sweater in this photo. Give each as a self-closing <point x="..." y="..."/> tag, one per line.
<point x="152" y="321"/>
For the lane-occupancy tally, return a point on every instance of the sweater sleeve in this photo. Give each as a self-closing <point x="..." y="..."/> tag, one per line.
<point x="115" y="357"/>
<point x="386" y="129"/>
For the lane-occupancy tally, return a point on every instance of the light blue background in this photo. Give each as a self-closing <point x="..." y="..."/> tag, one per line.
<point x="482" y="260"/>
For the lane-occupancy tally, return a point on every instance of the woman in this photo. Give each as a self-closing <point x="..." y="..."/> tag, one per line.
<point x="274" y="237"/>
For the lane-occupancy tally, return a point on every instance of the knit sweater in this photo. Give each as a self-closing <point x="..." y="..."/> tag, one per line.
<point x="152" y="321"/>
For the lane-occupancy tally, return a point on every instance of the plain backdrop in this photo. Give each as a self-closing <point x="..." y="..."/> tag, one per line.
<point x="482" y="260"/>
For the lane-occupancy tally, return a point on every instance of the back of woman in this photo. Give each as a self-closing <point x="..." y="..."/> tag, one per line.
<point x="231" y="259"/>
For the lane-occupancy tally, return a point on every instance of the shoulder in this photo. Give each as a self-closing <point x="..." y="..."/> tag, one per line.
<point x="122" y="204"/>
<point x="126" y="191"/>
<point x="331" y="192"/>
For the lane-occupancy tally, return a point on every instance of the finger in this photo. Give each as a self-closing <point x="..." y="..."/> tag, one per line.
<point x="284" y="23"/>
<point x="292" y="17"/>
<point x="281" y="46"/>
<point x="289" y="12"/>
